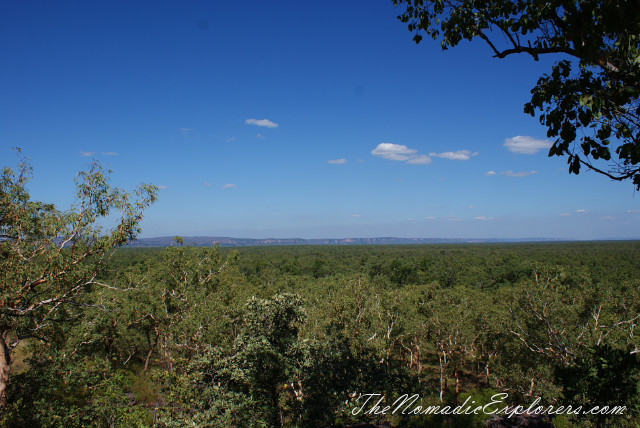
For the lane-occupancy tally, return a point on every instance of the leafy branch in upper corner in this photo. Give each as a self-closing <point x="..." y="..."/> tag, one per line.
<point x="590" y="102"/>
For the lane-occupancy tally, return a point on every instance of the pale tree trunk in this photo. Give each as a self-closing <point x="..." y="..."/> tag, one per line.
<point x="5" y="367"/>
<point x="443" y="377"/>
<point x="152" y="346"/>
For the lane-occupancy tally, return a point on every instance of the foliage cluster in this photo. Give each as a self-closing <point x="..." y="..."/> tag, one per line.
<point x="590" y="101"/>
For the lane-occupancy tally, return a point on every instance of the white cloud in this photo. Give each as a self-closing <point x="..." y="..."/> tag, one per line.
<point x="229" y="186"/>
<point x="471" y="206"/>
<point x="457" y="155"/>
<point x="397" y="152"/>
<point x="492" y="172"/>
<point x="206" y="184"/>
<point x="185" y="131"/>
<point x="565" y="215"/>
<point x="633" y="211"/>
<point x="261" y="122"/>
<point x="581" y="210"/>
<point x="420" y="160"/>
<point x="109" y="154"/>
<point x="453" y="218"/>
<point x="356" y="215"/>
<point x="519" y="174"/>
<point x="340" y="161"/>
<point x="430" y="218"/>
<point x="525" y="145"/>
<point x="607" y="217"/>
<point x="262" y="137"/>
<point x="400" y="152"/>
<point x="161" y="187"/>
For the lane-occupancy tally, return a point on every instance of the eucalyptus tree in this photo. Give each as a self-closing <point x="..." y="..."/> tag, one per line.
<point x="49" y="257"/>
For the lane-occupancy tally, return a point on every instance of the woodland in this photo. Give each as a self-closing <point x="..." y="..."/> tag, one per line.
<point x="97" y="334"/>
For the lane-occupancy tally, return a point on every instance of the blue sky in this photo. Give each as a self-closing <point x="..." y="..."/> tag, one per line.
<point x="286" y="119"/>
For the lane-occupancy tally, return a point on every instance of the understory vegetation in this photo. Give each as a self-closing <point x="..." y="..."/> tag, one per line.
<point x="290" y="336"/>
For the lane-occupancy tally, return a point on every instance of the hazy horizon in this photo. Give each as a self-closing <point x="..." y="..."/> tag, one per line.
<point x="433" y="238"/>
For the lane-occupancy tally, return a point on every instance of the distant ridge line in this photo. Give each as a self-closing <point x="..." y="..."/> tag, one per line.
<point x="206" y="241"/>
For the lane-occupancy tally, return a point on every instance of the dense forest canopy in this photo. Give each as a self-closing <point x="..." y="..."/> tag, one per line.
<point x="287" y="336"/>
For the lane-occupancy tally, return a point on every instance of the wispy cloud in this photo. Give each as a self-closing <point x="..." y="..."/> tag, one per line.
<point x="87" y="154"/>
<point x="633" y="211"/>
<point x="582" y="210"/>
<point x="262" y="137"/>
<point x="340" y="161"/>
<point x="483" y="218"/>
<point x="261" y="122"/>
<point x="565" y="215"/>
<point x="453" y="218"/>
<point x="518" y="174"/>
<point x="492" y="172"/>
<point x="430" y="218"/>
<point x="525" y="145"/>
<point x="607" y="218"/>
<point x="400" y="152"/>
<point x="161" y="187"/>
<point x="230" y="139"/>
<point x="457" y="155"/>
<point x="229" y="186"/>
<point x="185" y="131"/>
<point x="356" y="215"/>
<point x="205" y="184"/>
